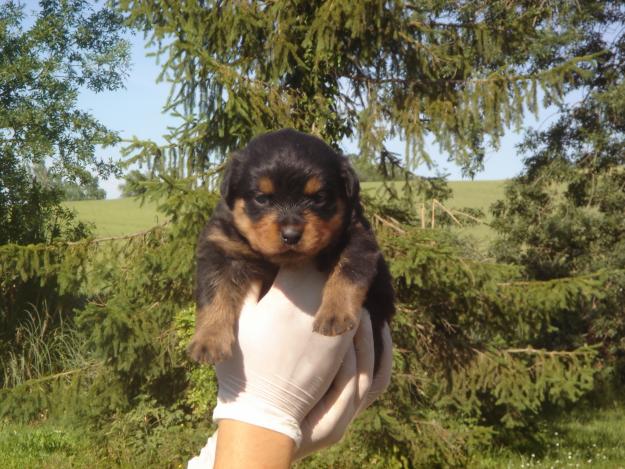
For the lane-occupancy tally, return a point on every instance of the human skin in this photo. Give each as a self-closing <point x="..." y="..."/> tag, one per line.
<point x="242" y="445"/>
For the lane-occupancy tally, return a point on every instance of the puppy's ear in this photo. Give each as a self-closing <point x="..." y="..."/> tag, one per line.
<point x="229" y="179"/>
<point x="350" y="179"/>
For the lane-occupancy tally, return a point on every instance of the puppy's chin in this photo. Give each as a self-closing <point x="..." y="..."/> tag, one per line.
<point x="288" y="258"/>
<point x="288" y="255"/>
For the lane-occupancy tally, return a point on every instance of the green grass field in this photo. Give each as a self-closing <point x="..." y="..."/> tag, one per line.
<point x="471" y="194"/>
<point x="124" y="216"/>
<point x="583" y="439"/>
<point x="476" y="194"/>
<point x="117" y="216"/>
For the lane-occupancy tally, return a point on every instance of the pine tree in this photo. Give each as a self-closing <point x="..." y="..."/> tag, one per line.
<point x="460" y="72"/>
<point x="564" y="215"/>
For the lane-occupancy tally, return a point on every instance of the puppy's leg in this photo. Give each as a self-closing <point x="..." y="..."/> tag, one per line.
<point x="222" y="283"/>
<point x="348" y="283"/>
<point x="219" y="299"/>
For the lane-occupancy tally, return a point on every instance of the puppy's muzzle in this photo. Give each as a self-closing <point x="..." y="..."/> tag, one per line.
<point x="291" y="234"/>
<point x="291" y="227"/>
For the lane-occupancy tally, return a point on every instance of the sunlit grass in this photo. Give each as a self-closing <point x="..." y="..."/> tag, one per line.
<point x="583" y="439"/>
<point x="592" y="438"/>
<point x="43" y="446"/>
<point x="61" y="445"/>
<point x="117" y="216"/>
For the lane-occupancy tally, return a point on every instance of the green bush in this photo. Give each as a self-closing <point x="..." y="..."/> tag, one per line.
<point x="472" y="360"/>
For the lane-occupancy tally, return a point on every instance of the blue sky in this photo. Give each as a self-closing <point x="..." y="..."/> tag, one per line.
<point x="137" y="110"/>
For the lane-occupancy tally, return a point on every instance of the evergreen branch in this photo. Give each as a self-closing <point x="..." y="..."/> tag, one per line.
<point x="387" y="222"/>
<point x="83" y="242"/>
<point x="446" y="210"/>
<point x="556" y="281"/>
<point x="117" y="238"/>
<point x="62" y="374"/>
<point x="529" y="350"/>
<point x="552" y="353"/>
<point x="477" y="220"/>
<point x="492" y="78"/>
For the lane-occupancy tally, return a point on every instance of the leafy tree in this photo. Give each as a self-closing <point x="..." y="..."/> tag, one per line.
<point x="45" y="60"/>
<point x="88" y="189"/>
<point x="29" y="211"/>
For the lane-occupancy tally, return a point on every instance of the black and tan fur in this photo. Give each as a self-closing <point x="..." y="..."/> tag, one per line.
<point x="288" y="197"/>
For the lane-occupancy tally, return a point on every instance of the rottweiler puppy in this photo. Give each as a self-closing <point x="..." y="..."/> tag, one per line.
<point x="288" y="197"/>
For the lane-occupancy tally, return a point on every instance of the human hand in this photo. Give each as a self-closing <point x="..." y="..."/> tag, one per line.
<point x="353" y="390"/>
<point x="280" y="369"/>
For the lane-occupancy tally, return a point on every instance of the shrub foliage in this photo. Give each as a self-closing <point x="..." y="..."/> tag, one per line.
<point x="475" y="358"/>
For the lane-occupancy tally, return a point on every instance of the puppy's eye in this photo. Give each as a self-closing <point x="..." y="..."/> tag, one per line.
<point x="262" y="199"/>
<point x="318" y="197"/>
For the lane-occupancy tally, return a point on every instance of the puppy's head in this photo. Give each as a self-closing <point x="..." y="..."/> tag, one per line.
<point x="290" y="194"/>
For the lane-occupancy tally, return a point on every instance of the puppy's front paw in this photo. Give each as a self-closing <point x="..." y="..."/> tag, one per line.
<point x="334" y="321"/>
<point x="211" y="348"/>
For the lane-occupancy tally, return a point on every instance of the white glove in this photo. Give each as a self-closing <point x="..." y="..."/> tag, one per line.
<point x="280" y="368"/>
<point x="353" y="390"/>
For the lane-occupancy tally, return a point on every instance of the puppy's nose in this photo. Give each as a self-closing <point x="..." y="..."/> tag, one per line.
<point x="291" y="234"/>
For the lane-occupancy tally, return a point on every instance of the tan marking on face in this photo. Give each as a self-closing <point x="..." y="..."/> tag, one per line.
<point x="319" y="233"/>
<point x="265" y="185"/>
<point x="312" y="185"/>
<point x="263" y="235"/>
<point x="229" y="245"/>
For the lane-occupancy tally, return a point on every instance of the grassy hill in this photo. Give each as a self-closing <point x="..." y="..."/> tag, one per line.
<point x="116" y="216"/>
<point x="473" y="194"/>
<point x="123" y="216"/>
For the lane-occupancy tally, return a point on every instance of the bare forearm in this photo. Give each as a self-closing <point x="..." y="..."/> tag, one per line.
<point x="241" y="445"/>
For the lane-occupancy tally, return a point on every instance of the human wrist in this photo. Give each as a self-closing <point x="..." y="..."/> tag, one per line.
<point x="242" y="445"/>
<point x="259" y="414"/>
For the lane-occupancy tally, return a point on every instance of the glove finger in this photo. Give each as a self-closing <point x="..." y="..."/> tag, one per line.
<point x="328" y="420"/>
<point x="365" y="356"/>
<point x="382" y="378"/>
<point x="344" y="386"/>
